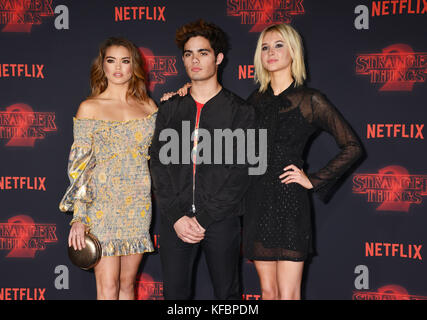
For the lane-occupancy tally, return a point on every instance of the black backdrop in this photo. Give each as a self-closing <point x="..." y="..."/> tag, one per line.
<point x="366" y="248"/>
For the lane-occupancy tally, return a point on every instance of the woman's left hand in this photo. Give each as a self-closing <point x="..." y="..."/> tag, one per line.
<point x="295" y="175"/>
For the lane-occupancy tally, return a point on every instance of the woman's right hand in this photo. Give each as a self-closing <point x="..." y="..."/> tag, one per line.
<point x="77" y="236"/>
<point x="182" y="92"/>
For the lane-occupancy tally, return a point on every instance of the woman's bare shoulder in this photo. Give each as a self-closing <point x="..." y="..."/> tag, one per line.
<point x="151" y="106"/>
<point x="88" y="109"/>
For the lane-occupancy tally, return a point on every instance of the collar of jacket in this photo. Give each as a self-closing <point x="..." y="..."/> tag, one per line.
<point x="189" y="98"/>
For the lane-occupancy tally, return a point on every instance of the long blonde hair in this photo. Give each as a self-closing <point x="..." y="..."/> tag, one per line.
<point x="137" y="84"/>
<point x="296" y="50"/>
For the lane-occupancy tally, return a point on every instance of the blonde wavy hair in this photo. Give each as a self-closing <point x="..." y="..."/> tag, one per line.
<point x="294" y="42"/>
<point x="138" y="82"/>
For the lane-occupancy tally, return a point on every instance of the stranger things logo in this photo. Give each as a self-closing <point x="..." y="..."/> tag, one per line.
<point x="262" y="13"/>
<point x="21" y="15"/>
<point x="158" y="67"/>
<point x="22" y="237"/>
<point x="397" y="68"/>
<point x="148" y="289"/>
<point x="392" y="187"/>
<point x="20" y="126"/>
<point x="389" y="292"/>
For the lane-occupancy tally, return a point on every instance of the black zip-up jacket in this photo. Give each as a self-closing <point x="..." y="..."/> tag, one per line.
<point x="219" y="188"/>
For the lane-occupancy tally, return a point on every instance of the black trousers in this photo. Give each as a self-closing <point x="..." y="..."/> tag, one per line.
<point x="221" y="247"/>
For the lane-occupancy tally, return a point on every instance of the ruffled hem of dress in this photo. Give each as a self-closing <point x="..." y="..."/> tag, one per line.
<point x="126" y="247"/>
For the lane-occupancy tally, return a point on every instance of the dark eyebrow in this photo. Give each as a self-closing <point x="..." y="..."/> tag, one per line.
<point x="199" y="50"/>
<point x="115" y="57"/>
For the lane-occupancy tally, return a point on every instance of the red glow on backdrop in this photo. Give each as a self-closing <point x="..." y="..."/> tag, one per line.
<point x="21" y="126"/>
<point x="148" y="289"/>
<point x="398" y="67"/>
<point x="158" y="67"/>
<point x="262" y="13"/>
<point x="389" y="292"/>
<point x="22" y="237"/>
<point x="20" y="16"/>
<point x="393" y="187"/>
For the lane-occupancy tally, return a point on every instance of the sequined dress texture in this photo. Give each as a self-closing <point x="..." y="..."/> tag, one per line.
<point x="277" y="221"/>
<point x="110" y="184"/>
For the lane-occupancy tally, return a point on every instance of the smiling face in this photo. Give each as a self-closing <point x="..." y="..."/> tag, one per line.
<point x="117" y="65"/>
<point x="199" y="59"/>
<point x="275" y="54"/>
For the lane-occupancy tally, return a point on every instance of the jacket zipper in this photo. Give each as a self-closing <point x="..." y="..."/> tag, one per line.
<point x="193" y="206"/>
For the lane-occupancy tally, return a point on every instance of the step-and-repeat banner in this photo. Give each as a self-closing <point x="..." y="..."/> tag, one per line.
<point x="368" y="57"/>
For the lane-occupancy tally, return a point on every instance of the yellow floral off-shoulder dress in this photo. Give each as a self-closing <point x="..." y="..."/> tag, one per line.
<point x="110" y="185"/>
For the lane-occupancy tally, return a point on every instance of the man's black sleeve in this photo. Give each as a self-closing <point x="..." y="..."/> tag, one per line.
<point x="167" y="199"/>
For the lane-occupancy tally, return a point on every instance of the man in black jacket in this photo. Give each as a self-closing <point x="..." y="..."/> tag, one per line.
<point x="200" y="201"/>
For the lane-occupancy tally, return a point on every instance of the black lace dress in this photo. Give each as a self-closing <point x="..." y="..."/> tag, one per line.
<point x="277" y="222"/>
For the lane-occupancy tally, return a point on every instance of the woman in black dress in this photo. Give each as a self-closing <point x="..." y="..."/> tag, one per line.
<point x="277" y="227"/>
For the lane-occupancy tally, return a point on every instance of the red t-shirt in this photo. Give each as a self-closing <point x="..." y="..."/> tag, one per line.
<point x="196" y="136"/>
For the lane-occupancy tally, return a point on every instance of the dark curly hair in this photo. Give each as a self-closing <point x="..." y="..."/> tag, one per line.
<point x="217" y="38"/>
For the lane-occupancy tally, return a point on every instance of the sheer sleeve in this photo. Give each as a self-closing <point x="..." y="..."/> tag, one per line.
<point x="326" y="117"/>
<point x="80" y="167"/>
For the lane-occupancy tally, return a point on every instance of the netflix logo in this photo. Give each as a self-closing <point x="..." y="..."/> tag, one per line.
<point x="23" y="183"/>
<point x="146" y="13"/>
<point x="246" y="71"/>
<point x="22" y="294"/>
<point x="20" y="70"/>
<point x="400" y="250"/>
<point x="393" y="130"/>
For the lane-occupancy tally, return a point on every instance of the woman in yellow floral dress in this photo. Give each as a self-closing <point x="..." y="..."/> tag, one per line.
<point x="110" y="181"/>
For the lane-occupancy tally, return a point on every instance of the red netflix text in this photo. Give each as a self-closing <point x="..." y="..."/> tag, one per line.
<point x="394" y="130"/>
<point x="21" y="183"/>
<point x="398" y="67"/>
<point x="398" y="7"/>
<point x="393" y="187"/>
<point x="379" y="249"/>
<point x="139" y="13"/>
<point x="390" y="292"/>
<point x="262" y="13"/>
<point x="246" y="72"/>
<point x="22" y="293"/>
<point x="20" y="70"/>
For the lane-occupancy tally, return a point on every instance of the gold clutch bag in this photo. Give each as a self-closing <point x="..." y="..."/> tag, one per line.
<point x="88" y="257"/>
